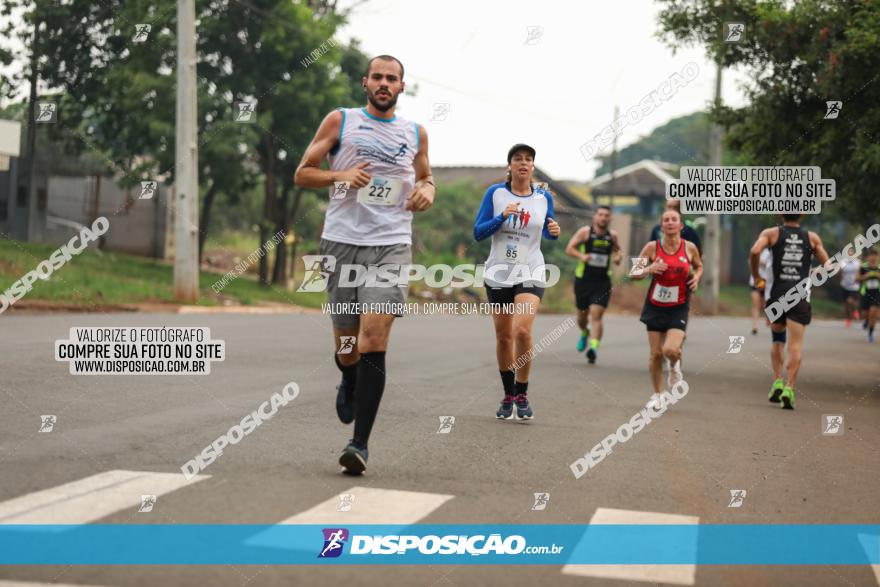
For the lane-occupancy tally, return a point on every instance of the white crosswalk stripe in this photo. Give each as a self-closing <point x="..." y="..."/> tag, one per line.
<point x="675" y="574"/>
<point x="373" y="506"/>
<point x="38" y="584"/>
<point x="368" y="505"/>
<point x="91" y="498"/>
<point x="871" y="544"/>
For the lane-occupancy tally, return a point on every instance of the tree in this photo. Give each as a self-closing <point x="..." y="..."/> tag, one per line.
<point x="683" y="139"/>
<point x="798" y="56"/>
<point x="117" y="95"/>
<point x="282" y="56"/>
<point x="353" y="65"/>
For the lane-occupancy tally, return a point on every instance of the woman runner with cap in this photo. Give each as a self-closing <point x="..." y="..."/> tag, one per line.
<point x="516" y="214"/>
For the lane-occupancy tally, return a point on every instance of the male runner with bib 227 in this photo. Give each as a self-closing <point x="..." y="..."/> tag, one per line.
<point x="383" y="161"/>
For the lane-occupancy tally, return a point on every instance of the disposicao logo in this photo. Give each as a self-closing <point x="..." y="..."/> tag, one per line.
<point x="334" y="540"/>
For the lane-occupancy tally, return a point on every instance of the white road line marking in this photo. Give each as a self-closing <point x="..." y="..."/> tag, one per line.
<point x="871" y="544"/>
<point x="37" y="583"/>
<point x="373" y="506"/>
<point x="676" y="574"/>
<point x="91" y="498"/>
<point x="368" y="506"/>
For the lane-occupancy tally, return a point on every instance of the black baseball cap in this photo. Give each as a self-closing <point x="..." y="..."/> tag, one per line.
<point x="519" y="147"/>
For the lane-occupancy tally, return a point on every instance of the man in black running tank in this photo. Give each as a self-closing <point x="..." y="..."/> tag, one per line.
<point x="793" y="248"/>
<point x="595" y="247"/>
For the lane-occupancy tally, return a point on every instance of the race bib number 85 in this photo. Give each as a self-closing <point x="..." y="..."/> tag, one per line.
<point x="511" y="253"/>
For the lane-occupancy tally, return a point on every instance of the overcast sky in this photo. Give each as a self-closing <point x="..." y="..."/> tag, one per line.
<point x="554" y="94"/>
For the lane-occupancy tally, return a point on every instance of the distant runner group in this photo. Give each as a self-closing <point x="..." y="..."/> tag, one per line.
<point x="378" y="174"/>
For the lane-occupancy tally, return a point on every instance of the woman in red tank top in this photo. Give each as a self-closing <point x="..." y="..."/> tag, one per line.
<point x="669" y="288"/>
<point x="668" y="261"/>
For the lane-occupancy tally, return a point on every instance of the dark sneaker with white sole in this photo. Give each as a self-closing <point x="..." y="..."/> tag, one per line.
<point x="505" y="410"/>
<point x="354" y="459"/>
<point x="345" y="402"/>
<point x="523" y="410"/>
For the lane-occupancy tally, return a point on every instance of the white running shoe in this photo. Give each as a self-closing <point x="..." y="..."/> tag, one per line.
<point x="655" y="403"/>
<point x="675" y="374"/>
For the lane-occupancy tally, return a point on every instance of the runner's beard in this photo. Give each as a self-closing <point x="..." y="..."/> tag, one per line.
<point x="392" y="102"/>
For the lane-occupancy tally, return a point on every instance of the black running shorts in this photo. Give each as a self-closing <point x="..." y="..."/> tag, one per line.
<point x="505" y="295"/>
<point x="663" y="318"/>
<point x="587" y="293"/>
<point x="802" y="313"/>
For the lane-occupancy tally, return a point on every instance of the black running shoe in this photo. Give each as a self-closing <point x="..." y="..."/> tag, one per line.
<point x="354" y="459"/>
<point x="591" y="356"/>
<point x="345" y="402"/>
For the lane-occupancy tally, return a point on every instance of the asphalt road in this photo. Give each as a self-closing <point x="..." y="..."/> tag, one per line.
<point x="723" y="435"/>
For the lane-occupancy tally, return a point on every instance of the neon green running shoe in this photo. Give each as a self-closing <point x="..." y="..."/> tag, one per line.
<point x="582" y="341"/>
<point x="787" y="398"/>
<point x="776" y="391"/>
<point x="593" y="351"/>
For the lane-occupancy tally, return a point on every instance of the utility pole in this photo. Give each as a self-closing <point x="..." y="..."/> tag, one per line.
<point x="613" y="160"/>
<point x="712" y="257"/>
<point x="186" y="194"/>
<point x="30" y="140"/>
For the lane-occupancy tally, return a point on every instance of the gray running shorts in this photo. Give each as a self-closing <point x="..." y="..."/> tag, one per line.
<point x="382" y="265"/>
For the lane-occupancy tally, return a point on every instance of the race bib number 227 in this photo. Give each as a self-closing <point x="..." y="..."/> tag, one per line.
<point x="381" y="192"/>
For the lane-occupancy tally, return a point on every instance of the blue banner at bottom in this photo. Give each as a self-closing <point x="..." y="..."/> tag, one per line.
<point x="530" y="544"/>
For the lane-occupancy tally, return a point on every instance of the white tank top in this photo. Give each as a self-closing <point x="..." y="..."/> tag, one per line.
<point x="848" y="275"/>
<point x="374" y="215"/>
<point x="515" y="256"/>
<point x="765" y="268"/>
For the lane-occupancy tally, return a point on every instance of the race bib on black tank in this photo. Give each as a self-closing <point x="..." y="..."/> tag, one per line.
<point x="598" y="260"/>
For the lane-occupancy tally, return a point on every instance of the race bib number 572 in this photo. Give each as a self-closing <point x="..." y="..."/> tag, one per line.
<point x="665" y="295"/>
